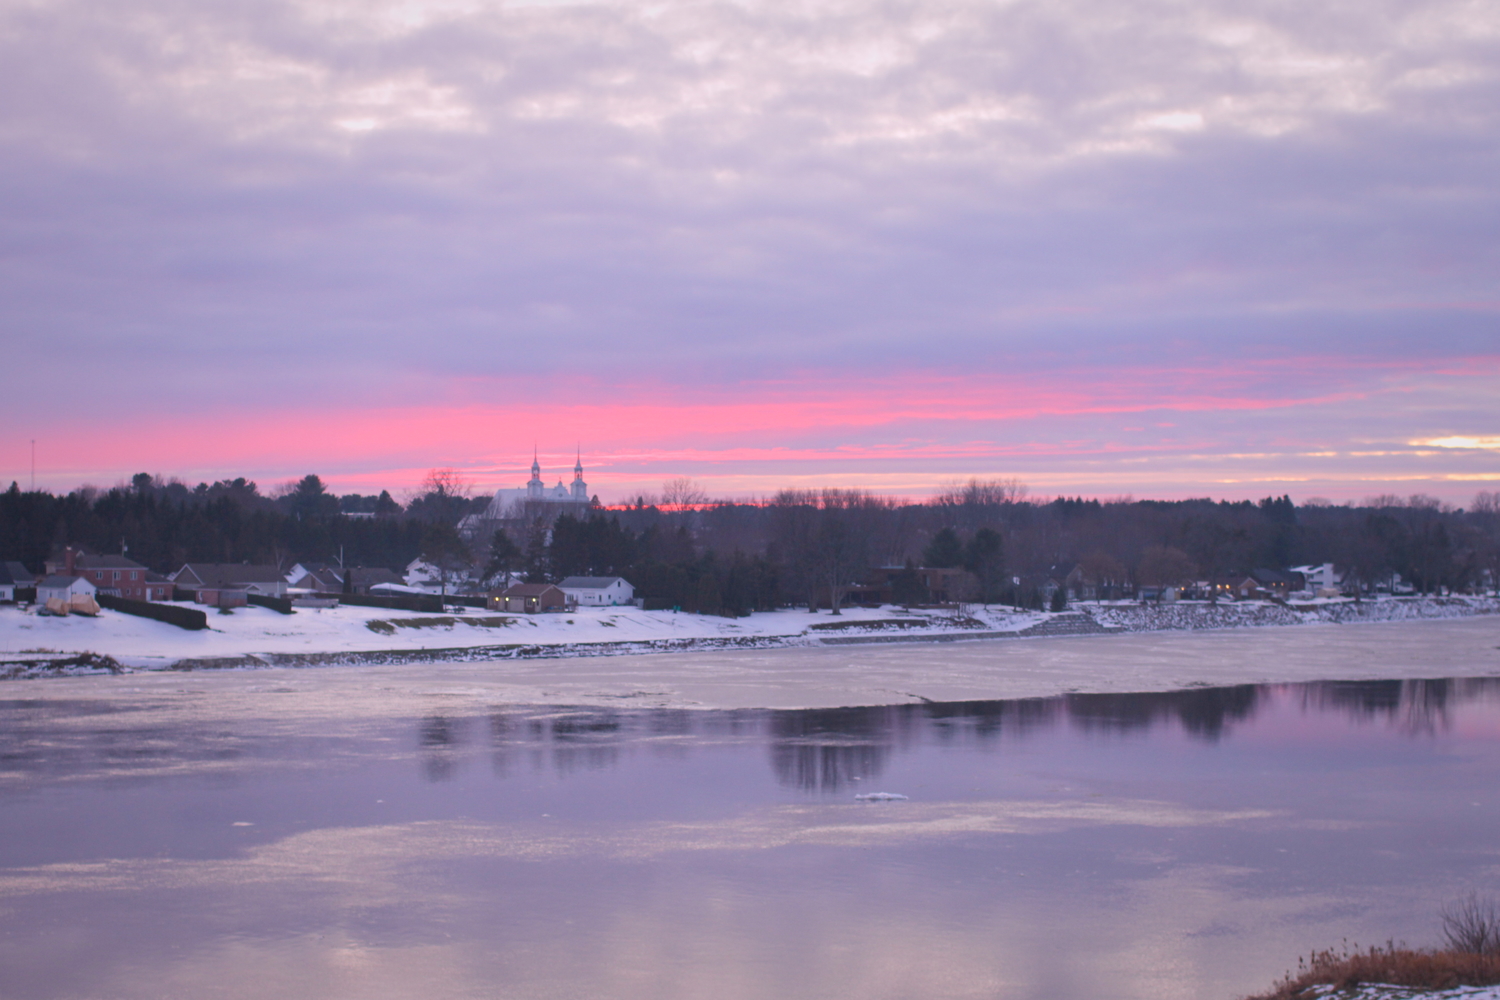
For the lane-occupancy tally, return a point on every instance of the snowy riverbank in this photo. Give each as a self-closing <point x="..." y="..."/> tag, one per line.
<point x="32" y="644"/>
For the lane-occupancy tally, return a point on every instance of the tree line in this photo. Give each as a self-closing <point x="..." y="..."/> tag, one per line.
<point x="804" y="547"/>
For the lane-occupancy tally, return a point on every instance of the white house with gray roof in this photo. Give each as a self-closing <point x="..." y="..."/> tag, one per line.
<point x="64" y="588"/>
<point x="598" y="591"/>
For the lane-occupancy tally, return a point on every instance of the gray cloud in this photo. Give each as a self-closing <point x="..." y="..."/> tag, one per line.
<point x="363" y="201"/>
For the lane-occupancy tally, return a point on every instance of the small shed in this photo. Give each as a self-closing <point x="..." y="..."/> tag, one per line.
<point x="530" y="598"/>
<point x="222" y="597"/>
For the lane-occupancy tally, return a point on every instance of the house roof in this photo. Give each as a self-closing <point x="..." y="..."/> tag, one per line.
<point x="323" y="579"/>
<point x="232" y="573"/>
<point x="592" y="582"/>
<point x="82" y="560"/>
<point x="14" y="572"/>
<point x="58" y="581"/>
<point x="1270" y="576"/>
<point x="527" y="589"/>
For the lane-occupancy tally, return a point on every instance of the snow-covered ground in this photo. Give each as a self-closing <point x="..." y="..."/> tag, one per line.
<point x="353" y="631"/>
<point x="1375" y="991"/>
<point x="811" y="675"/>
<point x="259" y="636"/>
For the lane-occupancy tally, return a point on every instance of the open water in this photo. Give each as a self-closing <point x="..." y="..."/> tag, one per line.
<point x="1180" y="845"/>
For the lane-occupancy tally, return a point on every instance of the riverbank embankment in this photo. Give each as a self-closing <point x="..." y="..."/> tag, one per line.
<point x="33" y="645"/>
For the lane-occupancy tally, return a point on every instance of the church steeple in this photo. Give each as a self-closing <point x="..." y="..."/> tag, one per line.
<point x="534" y="487"/>
<point x="580" y="490"/>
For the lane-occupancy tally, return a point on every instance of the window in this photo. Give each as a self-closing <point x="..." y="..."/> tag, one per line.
<point x="117" y="574"/>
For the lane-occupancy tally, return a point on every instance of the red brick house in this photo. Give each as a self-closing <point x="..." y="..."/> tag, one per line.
<point x="113" y="575"/>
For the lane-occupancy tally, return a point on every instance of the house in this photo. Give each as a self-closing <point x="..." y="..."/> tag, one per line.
<point x="1240" y="587"/>
<point x="948" y="586"/>
<point x="530" y="598"/>
<point x="13" y="575"/>
<point x="433" y="579"/>
<point x="598" y="591"/>
<point x="1275" y="583"/>
<point x="60" y="587"/>
<point x="113" y="575"/>
<point x="264" y="579"/>
<point x="1066" y="577"/>
<point x="321" y="578"/>
<point x="1319" y="578"/>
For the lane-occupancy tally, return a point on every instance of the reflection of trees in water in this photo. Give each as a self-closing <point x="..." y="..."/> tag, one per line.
<point x="986" y="720"/>
<point x="563" y="742"/>
<point x="825" y="749"/>
<point x="1417" y="707"/>
<point x="826" y="767"/>
<point x="1203" y="712"/>
<point x="439" y="736"/>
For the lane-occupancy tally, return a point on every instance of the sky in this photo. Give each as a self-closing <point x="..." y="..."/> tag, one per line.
<point x="1137" y="247"/>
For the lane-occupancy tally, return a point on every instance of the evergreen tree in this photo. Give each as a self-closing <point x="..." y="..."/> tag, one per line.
<point x="984" y="556"/>
<point x="945" y="551"/>
<point x="504" y="556"/>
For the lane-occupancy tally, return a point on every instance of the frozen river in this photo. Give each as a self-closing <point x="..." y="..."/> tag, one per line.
<point x="159" y="842"/>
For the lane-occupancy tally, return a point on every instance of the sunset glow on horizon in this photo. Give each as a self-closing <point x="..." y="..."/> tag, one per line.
<point x="1147" y="433"/>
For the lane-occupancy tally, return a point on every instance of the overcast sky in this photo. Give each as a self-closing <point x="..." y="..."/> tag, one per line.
<point x="1155" y="248"/>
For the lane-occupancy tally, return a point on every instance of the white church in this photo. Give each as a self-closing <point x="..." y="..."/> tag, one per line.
<point x="513" y="503"/>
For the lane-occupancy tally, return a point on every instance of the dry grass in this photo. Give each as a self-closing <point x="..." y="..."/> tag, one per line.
<point x="1393" y="964"/>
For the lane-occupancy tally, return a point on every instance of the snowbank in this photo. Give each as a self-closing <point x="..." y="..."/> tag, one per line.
<point x="254" y="636"/>
<point x="1376" y="991"/>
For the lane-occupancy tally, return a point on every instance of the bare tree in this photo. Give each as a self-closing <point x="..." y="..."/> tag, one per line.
<point x="682" y="492"/>
<point x="842" y="545"/>
<point x="794" y="527"/>
<point x="1472" y="925"/>
<point x="442" y="497"/>
<point x="982" y="492"/>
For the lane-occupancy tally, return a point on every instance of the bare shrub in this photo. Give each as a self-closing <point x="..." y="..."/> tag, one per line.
<point x="1393" y="964"/>
<point x="1472" y="925"/>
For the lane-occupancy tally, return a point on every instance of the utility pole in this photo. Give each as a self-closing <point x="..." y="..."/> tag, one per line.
<point x="33" y="465"/>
